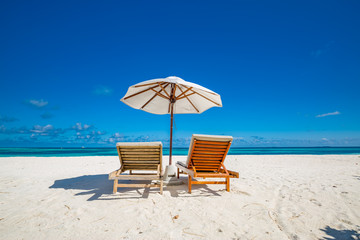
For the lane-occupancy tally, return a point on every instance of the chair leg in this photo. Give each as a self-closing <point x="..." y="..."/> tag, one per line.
<point x="228" y="184"/>
<point x="178" y="172"/>
<point x="115" y="186"/>
<point x="161" y="187"/>
<point x="189" y="183"/>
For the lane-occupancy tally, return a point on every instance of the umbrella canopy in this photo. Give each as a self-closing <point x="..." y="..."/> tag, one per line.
<point x="171" y="95"/>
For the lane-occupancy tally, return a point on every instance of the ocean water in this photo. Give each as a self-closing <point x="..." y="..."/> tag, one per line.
<point x="76" y="152"/>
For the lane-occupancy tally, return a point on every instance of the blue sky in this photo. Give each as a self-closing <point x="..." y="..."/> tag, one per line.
<point x="288" y="72"/>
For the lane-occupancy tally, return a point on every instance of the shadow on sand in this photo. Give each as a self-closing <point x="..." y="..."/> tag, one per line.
<point x="100" y="188"/>
<point x="334" y="234"/>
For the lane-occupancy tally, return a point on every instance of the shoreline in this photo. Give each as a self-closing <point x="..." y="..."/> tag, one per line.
<point x="276" y="197"/>
<point x="167" y="156"/>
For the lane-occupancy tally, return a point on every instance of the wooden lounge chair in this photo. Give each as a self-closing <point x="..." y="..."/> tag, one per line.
<point x="145" y="157"/>
<point x="206" y="160"/>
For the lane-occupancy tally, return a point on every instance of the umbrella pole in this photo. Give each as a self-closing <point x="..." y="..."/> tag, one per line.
<point x="171" y="133"/>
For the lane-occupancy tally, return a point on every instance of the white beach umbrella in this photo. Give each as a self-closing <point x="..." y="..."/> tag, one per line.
<point x="171" y="95"/>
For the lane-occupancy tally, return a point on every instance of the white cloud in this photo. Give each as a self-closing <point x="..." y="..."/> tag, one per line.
<point x="37" y="103"/>
<point x="103" y="90"/>
<point x="328" y="114"/>
<point x="116" y="137"/>
<point x="81" y="127"/>
<point x="42" y="129"/>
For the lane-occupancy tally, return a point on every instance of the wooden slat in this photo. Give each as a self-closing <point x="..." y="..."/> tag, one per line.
<point x="211" y="146"/>
<point x="207" y="182"/>
<point x="202" y="168"/>
<point x="211" y="160"/>
<point x="150" y="161"/>
<point x="207" y="158"/>
<point x="212" y="142"/>
<point x="140" y="150"/>
<point x="128" y="165"/>
<point x="139" y="168"/>
<point x="136" y="177"/>
<point x="214" y="175"/>
<point x="196" y="164"/>
<point x="141" y="163"/>
<point x="138" y="164"/>
<point x="140" y="153"/>
<point x="210" y="151"/>
<point x="220" y="148"/>
<point x="211" y="154"/>
<point x="206" y="163"/>
<point x="205" y="170"/>
<point x="139" y="147"/>
<point x="141" y="159"/>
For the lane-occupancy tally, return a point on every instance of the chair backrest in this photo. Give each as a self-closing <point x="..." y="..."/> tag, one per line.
<point x="140" y="155"/>
<point x="207" y="152"/>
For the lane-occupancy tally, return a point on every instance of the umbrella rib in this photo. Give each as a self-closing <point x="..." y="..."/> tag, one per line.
<point x="143" y="85"/>
<point x="149" y="101"/>
<point x="164" y="89"/>
<point x="204" y="91"/>
<point x="133" y="95"/>
<point x="161" y="95"/>
<point x="205" y="98"/>
<point x="186" y="96"/>
<point x="156" y="94"/>
<point x="188" y="100"/>
<point x="183" y="93"/>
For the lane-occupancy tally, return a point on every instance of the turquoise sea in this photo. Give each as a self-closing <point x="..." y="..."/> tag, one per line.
<point x="76" y="152"/>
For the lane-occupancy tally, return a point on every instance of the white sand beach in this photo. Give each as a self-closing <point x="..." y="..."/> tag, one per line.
<point x="276" y="197"/>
